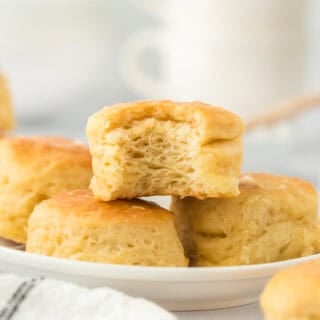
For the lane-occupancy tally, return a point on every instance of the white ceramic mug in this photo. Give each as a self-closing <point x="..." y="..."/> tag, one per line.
<point x="243" y="55"/>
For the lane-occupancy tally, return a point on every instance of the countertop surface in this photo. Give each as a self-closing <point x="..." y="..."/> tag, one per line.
<point x="248" y="312"/>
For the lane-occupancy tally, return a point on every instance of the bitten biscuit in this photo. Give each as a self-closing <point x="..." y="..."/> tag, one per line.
<point x="274" y="218"/>
<point x="6" y="114"/>
<point x="293" y="293"/>
<point x="165" y="148"/>
<point x="34" y="169"/>
<point x="77" y="226"/>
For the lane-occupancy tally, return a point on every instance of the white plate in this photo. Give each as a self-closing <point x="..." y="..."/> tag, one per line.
<point x="176" y="289"/>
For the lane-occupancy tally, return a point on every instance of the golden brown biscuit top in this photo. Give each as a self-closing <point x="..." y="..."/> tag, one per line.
<point x="294" y="291"/>
<point x="39" y="147"/>
<point x="249" y="181"/>
<point x="214" y="122"/>
<point x="82" y="203"/>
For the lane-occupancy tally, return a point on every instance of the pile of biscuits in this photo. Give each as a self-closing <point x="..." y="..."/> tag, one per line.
<point x="61" y="199"/>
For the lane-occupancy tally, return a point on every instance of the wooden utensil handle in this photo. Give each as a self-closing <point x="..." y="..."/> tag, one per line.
<point x="285" y="110"/>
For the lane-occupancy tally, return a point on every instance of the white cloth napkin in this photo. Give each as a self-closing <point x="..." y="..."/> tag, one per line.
<point x="33" y="299"/>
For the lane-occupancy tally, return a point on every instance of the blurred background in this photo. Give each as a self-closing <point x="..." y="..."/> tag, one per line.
<point x="66" y="59"/>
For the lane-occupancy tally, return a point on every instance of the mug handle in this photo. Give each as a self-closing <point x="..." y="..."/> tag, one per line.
<point x="131" y="70"/>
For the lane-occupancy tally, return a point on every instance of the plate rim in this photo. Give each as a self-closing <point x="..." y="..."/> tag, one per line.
<point x="145" y="273"/>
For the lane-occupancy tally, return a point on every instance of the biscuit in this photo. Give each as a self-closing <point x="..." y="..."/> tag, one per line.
<point x="274" y="218"/>
<point x="293" y="293"/>
<point x="165" y="148"/>
<point x="75" y="225"/>
<point x="33" y="169"/>
<point x="6" y="113"/>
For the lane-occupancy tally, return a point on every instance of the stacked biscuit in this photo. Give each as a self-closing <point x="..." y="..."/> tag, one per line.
<point x="274" y="218"/>
<point x="33" y="169"/>
<point x="191" y="151"/>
